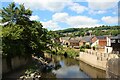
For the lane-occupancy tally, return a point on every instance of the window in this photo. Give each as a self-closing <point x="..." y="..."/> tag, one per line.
<point x="113" y="41"/>
<point x="118" y="40"/>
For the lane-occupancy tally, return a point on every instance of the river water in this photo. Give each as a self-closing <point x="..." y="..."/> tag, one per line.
<point x="71" y="68"/>
<point x="64" y="68"/>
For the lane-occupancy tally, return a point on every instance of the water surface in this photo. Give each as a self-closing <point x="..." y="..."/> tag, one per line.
<point x="71" y="68"/>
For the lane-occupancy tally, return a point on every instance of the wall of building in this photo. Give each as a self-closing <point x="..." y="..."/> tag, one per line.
<point x="108" y="41"/>
<point x="95" y="43"/>
<point x="81" y="43"/>
<point x="108" y="49"/>
<point x="102" y="43"/>
<point x="74" y="44"/>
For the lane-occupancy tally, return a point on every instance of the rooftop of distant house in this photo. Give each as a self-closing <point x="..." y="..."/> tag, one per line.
<point x="65" y="38"/>
<point x="101" y="37"/>
<point x="116" y="37"/>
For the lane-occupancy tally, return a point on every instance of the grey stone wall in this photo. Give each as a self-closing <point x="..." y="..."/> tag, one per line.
<point x="113" y="68"/>
<point x="15" y="63"/>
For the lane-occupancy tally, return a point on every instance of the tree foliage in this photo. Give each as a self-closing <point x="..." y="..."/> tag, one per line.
<point x="98" y="31"/>
<point x="21" y="36"/>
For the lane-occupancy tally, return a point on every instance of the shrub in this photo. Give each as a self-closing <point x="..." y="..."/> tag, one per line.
<point x="71" y="52"/>
<point x="88" y="46"/>
<point x="82" y="48"/>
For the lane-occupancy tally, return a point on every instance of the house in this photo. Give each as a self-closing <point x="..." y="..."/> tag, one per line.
<point x="75" y="42"/>
<point x="99" y="41"/>
<point x="64" y="40"/>
<point x="108" y="48"/>
<point x="115" y="44"/>
<point x="86" y="40"/>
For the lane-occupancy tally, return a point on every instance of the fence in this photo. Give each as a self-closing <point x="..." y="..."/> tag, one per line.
<point x="101" y="56"/>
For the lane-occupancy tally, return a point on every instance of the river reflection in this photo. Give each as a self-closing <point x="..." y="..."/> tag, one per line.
<point x="91" y="71"/>
<point x="70" y="68"/>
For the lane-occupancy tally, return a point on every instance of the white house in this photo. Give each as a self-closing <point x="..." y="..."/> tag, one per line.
<point x="95" y="43"/>
<point x="108" y="48"/>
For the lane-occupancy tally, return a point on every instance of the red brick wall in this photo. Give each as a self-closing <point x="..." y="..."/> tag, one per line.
<point x="102" y="42"/>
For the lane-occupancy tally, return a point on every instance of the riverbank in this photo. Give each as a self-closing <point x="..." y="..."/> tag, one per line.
<point x="33" y="69"/>
<point x="59" y="67"/>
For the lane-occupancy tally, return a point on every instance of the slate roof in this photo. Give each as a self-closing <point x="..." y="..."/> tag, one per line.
<point x="75" y="39"/>
<point x="101" y="37"/>
<point x="87" y="38"/>
<point x="116" y="37"/>
<point x="65" y="38"/>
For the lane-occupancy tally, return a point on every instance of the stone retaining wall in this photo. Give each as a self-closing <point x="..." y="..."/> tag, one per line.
<point x="15" y="63"/>
<point x="93" y="61"/>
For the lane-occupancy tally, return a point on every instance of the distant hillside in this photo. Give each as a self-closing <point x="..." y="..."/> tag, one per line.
<point x="102" y="30"/>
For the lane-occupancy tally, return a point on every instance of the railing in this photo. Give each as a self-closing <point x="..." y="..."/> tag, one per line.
<point x="102" y="56"/>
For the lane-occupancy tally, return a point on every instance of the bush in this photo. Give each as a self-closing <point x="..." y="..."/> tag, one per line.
<point x="88" y="46"/>
<point x="71" y="52"/>
<point x="82" y="48"/>
<point x="60" y="52"/>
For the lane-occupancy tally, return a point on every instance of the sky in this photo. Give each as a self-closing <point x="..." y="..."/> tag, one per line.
<point x="63" y="14"/>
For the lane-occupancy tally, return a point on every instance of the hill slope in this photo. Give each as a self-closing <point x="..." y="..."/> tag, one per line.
<point x="98" y="31"/>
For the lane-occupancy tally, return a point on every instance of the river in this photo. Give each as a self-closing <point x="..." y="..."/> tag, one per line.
<point x="64" y="68"/>
<point x="71" y="68"/>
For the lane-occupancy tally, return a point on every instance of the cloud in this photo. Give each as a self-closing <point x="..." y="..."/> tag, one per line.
<point x="61" y="17"/>
<point x="51" y="25"/>
<point x="110" y="20"/>
<point x="77" y="8"/>
<point x="51" y="5"/>
<point x="81" y="20"/>
<point x="102" y="5"/>
<point x="34" y="17"/>
<point x="71" y="21"/>
<point x="97" y="12"/>
<point x="74" y="21"/>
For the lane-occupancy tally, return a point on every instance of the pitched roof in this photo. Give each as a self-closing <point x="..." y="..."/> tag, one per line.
<point x="65" y="38"/>
<point x="101" y="37"/>
<point x="116" y="37"/>
<point x="87" y="38"/>
<point x="75" y="39"/>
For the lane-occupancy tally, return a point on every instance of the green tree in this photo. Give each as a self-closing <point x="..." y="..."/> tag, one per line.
<point x="21" y="36"/>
